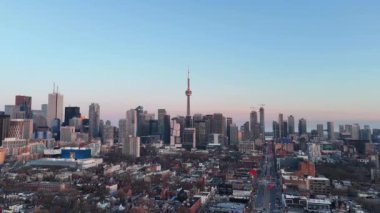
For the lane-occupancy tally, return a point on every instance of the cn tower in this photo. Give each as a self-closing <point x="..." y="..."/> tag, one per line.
<point x="188" y="93"/>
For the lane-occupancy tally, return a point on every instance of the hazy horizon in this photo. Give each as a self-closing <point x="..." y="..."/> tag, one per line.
<point x="317" y="60"/>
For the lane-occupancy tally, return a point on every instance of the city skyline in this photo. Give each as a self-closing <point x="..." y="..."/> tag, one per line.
<point x="322" y="66"/>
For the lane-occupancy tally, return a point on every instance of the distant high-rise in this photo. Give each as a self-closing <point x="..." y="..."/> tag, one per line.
<point x="71" y="112"/>
<point x="94" y="118"/>
<point x="281" y="125"/>
<point x="254" y="125"/>
<point x="175" y="133"/>
<point x="123" y="135"/>
<point x="4" y="126"/>
<point x="330" y="130"/>
<point x="355" y="133"/>
<point x="218" y="124"/>
<point x="262" y="122"/>
<point x="131" y="147"/>
<point x="276" y="130"/>
<point x="302" y="126"/>
<point x="23" y="107"/>
<point x="246" y="134"/>
<point x="229" y="123"/>
<point x="8" y="110"/>
<point x="200" y="134"/>
<point x="320" y="130"/>
<point x="108" y="134"/>
<point x="166" y="135"/>
<point x="132" y="123"/>
<point x="189" y="138"/>
<point x="55" y="107"/>
<point x="291" y="125"/>
<point x="161" y="122"/>
<point x="234" y="134"/>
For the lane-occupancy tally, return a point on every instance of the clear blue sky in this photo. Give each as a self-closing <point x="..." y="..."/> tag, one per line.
<point x="314" y="59"/>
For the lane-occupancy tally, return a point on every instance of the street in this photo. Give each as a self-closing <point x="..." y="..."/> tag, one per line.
<point x="268" y="186"/>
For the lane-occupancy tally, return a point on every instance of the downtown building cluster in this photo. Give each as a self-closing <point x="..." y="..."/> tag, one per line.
<point x="58" y="159"/>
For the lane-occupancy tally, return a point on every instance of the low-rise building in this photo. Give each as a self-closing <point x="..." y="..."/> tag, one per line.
<point x="318" y="185"/>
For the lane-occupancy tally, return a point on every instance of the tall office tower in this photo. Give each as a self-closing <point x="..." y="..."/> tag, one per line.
<point x="166" y="135"/>
<point x="281" y="125"/>
<point x="94" y="120"/>
<point x="71" y="112"/>
<point x="175" y="133"/>
<point x="262" y="122"/>
<point x="291" y="125"/>
<point x="189" y="138"/>
<point x="229" y="123"/>
<point x="132" y="123"/>
<point x="197" y="118"/>
<point x="348" y="129"/>
<point x="4" y="126"/>
<point x="143" y="123"/>
<point x="320" y="130"/>
<point x="123" y="135"/>
<point x="134" y="143"/>
<point x="188" y="94"/>
<point x="161" y="122"/>
<point x="208" y="122"/>
<point x="139" y="117"/>
<point x="9" y="109"/>
<point x="341" y="129"/>
<point x="23" y="107"/>
<point x="101" y="128"/>
<point x="355" y="135"/>
<point x="302" y="126"/>
<point x="330" y="130"/>
<point x="40" y="118"/>
<point x="365" y="134"/>
<point x="285" y="129"/>
<point x="200" y="134"/>
<point x="246" y="134"/>
<point x="276" y="130"/>
<point x="219" y="124"/>
<point x="55" y="108"/>
<point x="255" y="126"/>
<point x="108" y="134"/>
<point x="234" y="134"/>
<point x="153" y="127"/>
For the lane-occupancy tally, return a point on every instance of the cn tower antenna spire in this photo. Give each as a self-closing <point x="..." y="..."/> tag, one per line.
<point x="188" y="92"/>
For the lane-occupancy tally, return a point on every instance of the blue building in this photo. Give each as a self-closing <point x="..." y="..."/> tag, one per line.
<point x="75" y="153"/>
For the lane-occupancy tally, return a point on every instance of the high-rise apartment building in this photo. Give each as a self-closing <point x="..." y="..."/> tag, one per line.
<point x="291" y="125"/>
<point x="320" y="130"/>
<point x="262" y="122"/>
<point x="161" y="122"/>
<point x="132" y="123"/>
<point x="302" y="126"/>
<point x="94" y="120"/>
<point x="123" y="133"/>
<point x="330" y="130"/>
